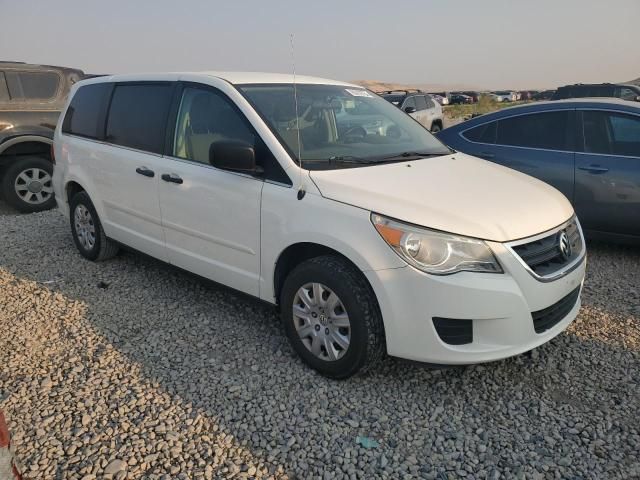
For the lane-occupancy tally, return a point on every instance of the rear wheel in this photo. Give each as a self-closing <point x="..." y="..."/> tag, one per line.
<point x="331" y="317"/>
<point x="27" y="184"/>
<point x="87" y="231"/>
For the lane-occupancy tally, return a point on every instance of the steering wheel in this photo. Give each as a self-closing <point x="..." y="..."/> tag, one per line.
<point x="354" y="133"/>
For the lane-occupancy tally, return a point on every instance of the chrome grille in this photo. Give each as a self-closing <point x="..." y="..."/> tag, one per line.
<point x="552" y="254"/>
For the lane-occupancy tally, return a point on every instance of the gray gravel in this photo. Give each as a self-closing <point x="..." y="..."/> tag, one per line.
<point x="131" y="369"/>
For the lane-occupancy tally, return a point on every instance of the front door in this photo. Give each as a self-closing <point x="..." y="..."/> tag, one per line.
<point x="607" y="195"/>
<point x="211" y="217"/>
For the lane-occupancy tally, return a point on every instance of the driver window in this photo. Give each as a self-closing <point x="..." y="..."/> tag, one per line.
<point x="206" y="117"/>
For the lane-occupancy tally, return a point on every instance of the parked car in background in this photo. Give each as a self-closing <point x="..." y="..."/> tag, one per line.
<point x="475" y="96"/>
<point x="459" y="98"/>
<point x="31" y="97"/>
<point x="420" y="105"/>
<point x="367" y="243"/>
<point x="525" y="95"/>
<point x="544" y="95"/>
<point x="505" y="96"/>
<point x="587" y="149"/>
<point x="441" y="100"/>
<point x="580" y="90"/>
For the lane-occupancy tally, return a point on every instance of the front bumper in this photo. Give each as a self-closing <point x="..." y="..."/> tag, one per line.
<point x="499" y="305"/>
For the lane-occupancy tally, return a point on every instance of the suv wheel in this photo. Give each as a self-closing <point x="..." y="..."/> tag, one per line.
<point x="435" y="127"/>
<point x="27" y="184"/>
<point x="87" y="231"/>
<point x="331" y="317"/>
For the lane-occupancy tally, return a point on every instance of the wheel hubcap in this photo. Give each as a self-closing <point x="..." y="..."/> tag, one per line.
<point x="321" y="321"/>
<point x="85" y="228"/>
<point x="33" y="186"/>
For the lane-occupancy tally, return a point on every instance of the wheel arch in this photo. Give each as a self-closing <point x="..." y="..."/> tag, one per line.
<point x="296" y="253"/>
<point x="25" y="145"/>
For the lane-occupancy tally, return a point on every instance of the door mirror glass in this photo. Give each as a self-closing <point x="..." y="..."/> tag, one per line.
<point x="410" y="109"/>
<point x="233" y="155"/>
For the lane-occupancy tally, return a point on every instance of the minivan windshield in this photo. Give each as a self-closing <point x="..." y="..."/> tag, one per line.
<point x="340" y="126"/>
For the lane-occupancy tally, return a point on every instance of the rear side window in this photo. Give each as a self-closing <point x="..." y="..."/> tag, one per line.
<point x="138" y="116"/>
<point x="32" y="85"/>
<point x="83" y="117"/>
<point x="611" y="133"/>
<point x="430" y="103"/>
<point x="549" y="130"/>
<point x="409" y="102"/>
<point x="421" y="102"/>
<point x="482" y="134"/>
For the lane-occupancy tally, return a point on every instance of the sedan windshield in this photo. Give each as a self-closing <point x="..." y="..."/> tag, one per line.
<point x="340" y="126"/>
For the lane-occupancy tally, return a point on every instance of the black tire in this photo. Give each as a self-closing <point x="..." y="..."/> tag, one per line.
<point x="367" y="344"/>
<point x="20" y="167"/>
<point x="103" y="248"/>
<point x="435" y="128"/>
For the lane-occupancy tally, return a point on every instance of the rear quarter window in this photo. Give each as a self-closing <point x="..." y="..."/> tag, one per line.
<point x="84" y="115"/>
<point x="32" y="85"/>
<point x="482" y="134"/>
<point x="138" y="116"/>
<point x="4" y="92"/>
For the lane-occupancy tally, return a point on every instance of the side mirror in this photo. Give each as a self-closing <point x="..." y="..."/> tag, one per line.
<point x="234" y="156"/>
<point x="410" y="109"/>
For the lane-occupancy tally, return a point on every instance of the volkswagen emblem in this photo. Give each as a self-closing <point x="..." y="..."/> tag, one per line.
<point x="565" y="245"/>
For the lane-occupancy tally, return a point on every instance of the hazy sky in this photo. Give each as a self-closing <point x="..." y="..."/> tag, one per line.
<point x="483" y="43"/>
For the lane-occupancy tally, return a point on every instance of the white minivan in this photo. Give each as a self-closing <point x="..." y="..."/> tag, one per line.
<point x="370" y="242"/>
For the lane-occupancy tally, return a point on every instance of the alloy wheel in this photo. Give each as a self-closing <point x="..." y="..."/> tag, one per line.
<point x="33" y="186"/>
<point x="85" y="228"/>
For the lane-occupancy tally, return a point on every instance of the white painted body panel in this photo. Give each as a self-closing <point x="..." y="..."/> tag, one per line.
<point x="455" y="193"/>
<point x="232" y="228"/>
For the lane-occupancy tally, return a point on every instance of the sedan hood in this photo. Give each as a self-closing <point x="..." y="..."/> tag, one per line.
<point x="454" y="193"/>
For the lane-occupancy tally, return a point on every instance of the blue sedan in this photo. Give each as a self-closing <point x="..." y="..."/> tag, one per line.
<point x="589" y="149"/>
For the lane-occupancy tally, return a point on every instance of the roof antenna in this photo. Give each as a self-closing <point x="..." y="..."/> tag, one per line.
<point x="301" y="191"/>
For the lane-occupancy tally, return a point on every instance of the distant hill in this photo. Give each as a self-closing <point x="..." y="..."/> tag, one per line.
<point x="635" y="82"/>
<point x="379" y="86"/>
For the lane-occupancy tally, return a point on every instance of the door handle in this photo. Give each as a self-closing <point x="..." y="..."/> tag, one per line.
<point x="173" y="178"/>
<point x="145" y="171"/>
<point x="486" y="155"/>
<point x="594" y="169"/>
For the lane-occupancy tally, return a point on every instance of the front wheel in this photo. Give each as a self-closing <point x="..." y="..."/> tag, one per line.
<point x="331" y="317"/>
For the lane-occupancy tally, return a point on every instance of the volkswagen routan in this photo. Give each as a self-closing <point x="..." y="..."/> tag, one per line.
<point x="370" y="235"/>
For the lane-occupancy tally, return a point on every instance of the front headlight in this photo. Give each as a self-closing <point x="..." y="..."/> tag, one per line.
<point x="436" y="252"/>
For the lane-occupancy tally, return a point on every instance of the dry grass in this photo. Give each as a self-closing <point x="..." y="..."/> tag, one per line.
<point x="484" y="105"/>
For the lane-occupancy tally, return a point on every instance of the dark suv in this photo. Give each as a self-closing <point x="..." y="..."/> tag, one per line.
<point x="31" y="98"/>
<point x="582" y="90"/>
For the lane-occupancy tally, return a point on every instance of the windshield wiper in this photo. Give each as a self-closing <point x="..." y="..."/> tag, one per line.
<point x="405" y="156"/>
<point x="349" y="159"/>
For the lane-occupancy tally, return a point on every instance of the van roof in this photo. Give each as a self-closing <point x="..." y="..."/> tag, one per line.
<point x="236" y="78"/>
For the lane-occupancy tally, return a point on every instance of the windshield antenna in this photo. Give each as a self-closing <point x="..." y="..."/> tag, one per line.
<point x="301" y="191"/>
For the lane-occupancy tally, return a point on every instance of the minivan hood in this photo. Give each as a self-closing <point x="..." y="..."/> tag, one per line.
<point x="454" y="193"/>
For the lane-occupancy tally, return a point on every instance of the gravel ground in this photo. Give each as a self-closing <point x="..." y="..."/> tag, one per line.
<point x="131" y="369"/>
